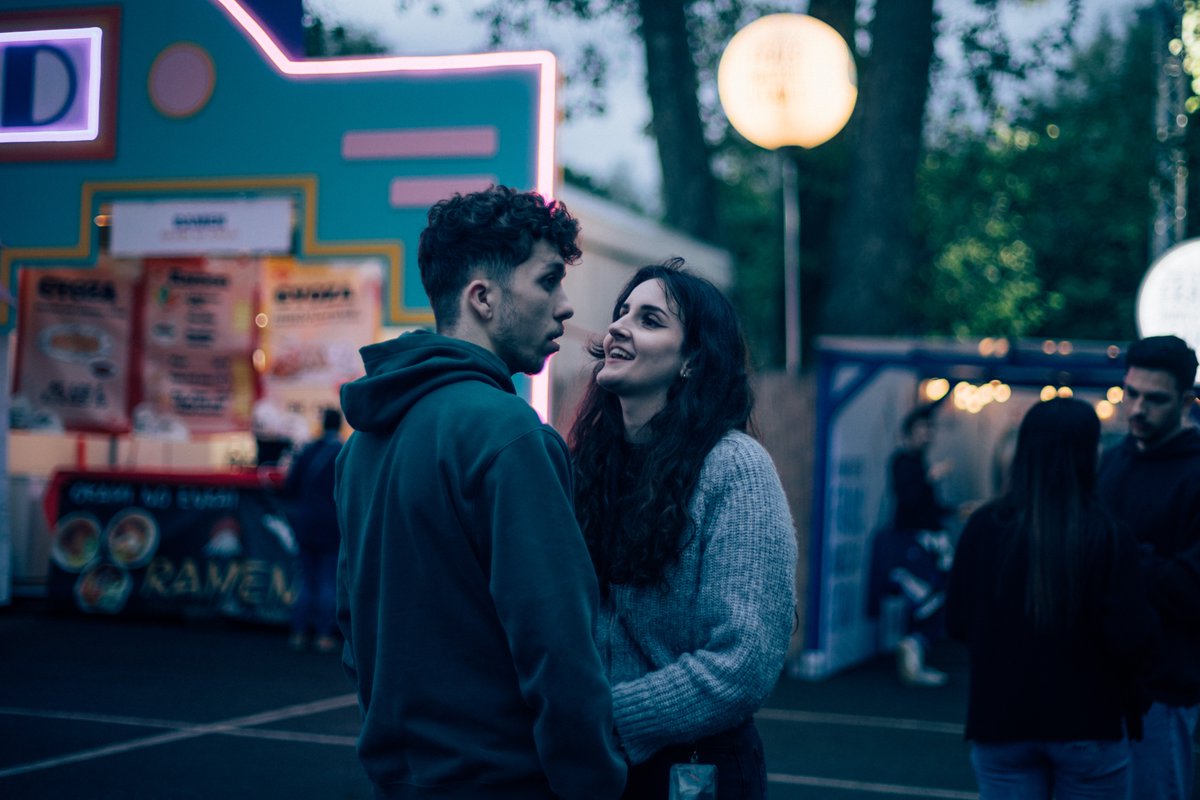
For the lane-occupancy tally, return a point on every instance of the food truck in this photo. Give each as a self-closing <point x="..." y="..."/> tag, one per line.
<point x="199" y="227"/>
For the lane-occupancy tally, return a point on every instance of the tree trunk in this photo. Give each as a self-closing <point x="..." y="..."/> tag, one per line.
<point x="874" y="248"/>
<point x="689" y="191"/>
<point x="822" y="173"/>
<point x="837" y="14"/>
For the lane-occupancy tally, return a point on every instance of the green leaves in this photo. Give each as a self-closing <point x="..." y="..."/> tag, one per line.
<point x="1040" y="227"/>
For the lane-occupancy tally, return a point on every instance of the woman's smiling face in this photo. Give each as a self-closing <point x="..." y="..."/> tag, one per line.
<point x="643" y="348"/>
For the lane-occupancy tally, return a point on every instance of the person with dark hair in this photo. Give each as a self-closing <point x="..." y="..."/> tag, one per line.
<point x="911" y="557"/>
<point x="1151" y="482"/>
<point x="917" y="507"/>
<point x="308" y="491"/>
<point x="465" y="593"/>
<point x="1046" y="593"/>
<point x="689" y="532"/>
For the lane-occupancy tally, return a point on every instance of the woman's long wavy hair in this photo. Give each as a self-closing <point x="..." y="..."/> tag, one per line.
<point x="1060" y="524"/>
<point x="632" y="502"/>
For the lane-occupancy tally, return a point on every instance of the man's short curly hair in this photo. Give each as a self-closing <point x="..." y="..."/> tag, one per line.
<point x="493" y="231"/>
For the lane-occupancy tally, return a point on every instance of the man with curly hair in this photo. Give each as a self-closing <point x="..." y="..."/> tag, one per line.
<point x="465" y="591"/>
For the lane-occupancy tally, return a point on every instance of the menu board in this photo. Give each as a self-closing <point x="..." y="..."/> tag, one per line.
<point x="73" y="357"/>
<point x="198" y="337"/>
<point x="315" y="318"/>
<point x="178" y="347"/>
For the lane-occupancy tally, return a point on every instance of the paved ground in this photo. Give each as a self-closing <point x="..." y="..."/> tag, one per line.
<point x="112" y="709"/>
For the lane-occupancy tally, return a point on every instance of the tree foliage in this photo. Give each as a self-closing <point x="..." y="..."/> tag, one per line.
<point x="1040" y="226"/>
<point x="322" y="42"/>
<point x="1025" y="217"/>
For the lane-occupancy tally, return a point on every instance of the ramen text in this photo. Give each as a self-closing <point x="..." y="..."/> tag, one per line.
<point x="253" y="582"/>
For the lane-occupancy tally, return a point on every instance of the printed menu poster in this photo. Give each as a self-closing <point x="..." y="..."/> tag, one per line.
<point x="197" y="343"/>
<point x="73" y="358"/>
<point x="316" y="317"/>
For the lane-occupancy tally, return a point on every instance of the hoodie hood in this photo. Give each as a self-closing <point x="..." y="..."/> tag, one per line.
<point x="1184" y="444"/>
<point x="403" y="370"/>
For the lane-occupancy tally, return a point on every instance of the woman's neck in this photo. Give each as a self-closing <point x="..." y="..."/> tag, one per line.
<point x="636" y="413"/>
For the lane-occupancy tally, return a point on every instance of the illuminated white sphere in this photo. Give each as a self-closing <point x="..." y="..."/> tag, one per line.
<point x="787" y="79"/>
<point x="1168" y="300"/>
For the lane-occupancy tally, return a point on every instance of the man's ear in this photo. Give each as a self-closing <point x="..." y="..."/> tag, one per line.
<point x="481" y="298"/>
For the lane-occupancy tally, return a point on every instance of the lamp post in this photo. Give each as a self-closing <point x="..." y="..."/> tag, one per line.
<point x="788" y="80"/>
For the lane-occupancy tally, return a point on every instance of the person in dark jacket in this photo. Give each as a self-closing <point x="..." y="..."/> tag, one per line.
<point x="917" y="507"/>
<point x="910" y="559"/>
<point x="1046" y="592"/>
<point x="1151" y="482"/>
<point x="466" y="595"/>
<point x="308" y="490"/>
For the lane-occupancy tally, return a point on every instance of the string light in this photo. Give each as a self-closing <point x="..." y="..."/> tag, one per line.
<point x="935" y="389"/>
<point x="972" y="399"/>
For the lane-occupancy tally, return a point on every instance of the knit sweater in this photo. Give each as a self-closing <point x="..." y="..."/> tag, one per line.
<point x="702" y="656"/>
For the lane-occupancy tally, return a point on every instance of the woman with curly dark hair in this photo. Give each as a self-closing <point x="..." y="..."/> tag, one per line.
<point x="689" y="531"/>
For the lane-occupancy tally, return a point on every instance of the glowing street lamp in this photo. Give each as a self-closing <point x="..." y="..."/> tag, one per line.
<point x="788" y="80"/>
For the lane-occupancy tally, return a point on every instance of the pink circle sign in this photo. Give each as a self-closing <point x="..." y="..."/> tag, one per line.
<point x="181" y="80"/>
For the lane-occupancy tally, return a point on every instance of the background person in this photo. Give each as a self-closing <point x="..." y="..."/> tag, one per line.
<point x="278" y="433"/>
<point x="689" y="532"/>
<point x="1151" y="482"/>
<point x="1046" y="592"/>
<point x="308" y="491"/>
<point x="465" y="593"/>
<point x="911" y="558"/>
<point x="913" y="479"/>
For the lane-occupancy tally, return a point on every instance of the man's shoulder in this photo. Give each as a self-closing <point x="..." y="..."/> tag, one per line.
<point x="481" y="398"/>
<point x="1115" y="453"/>
<point x="1180" y="453"/>
<point x="487" y="416"/>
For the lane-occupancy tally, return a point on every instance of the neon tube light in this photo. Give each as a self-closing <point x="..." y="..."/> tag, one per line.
<point x="367" y="65"/>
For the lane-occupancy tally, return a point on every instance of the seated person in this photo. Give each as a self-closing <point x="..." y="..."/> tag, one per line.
<point x="911" y="557"/>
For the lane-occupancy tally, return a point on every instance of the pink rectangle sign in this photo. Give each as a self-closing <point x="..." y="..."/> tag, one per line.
<point x="421" y="192"/>
<point x="481" y="142"/>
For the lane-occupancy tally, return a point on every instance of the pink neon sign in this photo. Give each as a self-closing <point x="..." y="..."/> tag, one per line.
<point x="366" y="65"/>
<point x="344" y="67"/>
